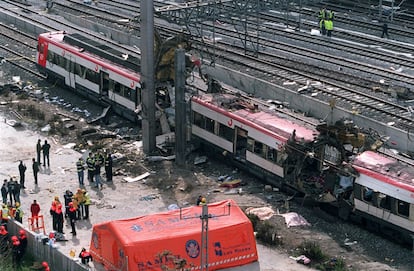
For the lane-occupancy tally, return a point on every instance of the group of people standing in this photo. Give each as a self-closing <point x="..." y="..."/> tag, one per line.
<point x="326" y="18"/>
<point x="16" y="245"/>
<point x="76" y="208"/>
<point x="93" y="165"/>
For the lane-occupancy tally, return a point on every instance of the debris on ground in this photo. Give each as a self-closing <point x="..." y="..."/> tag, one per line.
<point x="263" y="213"/>
<point x="293" y="219"/>
<point x="136" y="179"/>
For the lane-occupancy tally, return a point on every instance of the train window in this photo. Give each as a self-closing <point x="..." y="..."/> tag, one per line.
<point x="209" y="125"/>
<point x="403" y="208"/>
<point x="197" y="119"/>
<point x="250" y="144"/>
<point x="51" y="57"/>
<point x="368" y="194"/>
<point x="116" y="87"/>
<point x="271" y="154"/>
<point x="226" y="132"/>
<point x="259" y="148"/>
<point x="72" y="67"/>
<point x="92" y="76"/>
<point x="61" y="61"/>
<point x="385" y="201"/>
<point x="128" y="93"/>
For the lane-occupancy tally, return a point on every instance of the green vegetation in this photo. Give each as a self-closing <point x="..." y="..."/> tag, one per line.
<point x="266" y="232"/>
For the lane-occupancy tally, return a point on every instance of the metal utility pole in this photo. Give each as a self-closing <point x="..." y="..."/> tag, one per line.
<point x="205" y="216"/>
<point x="180" y="108"/>
<point x="204" y="237"/>
<point x="148" y="76"/>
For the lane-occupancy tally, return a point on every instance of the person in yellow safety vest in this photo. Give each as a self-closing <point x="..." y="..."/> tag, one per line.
<point x="322" y="14"/>
<point x="90" y="162"/>
<point x="329" y="27"/>
<point x="203" y="202"/>
<point x="330" y="15"/>
<point x="18" y="215"/>
<point x="4" y="214"/>
<point x="86" y="204"/>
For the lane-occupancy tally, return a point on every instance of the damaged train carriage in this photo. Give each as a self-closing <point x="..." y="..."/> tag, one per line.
<point x="283" y="148"/>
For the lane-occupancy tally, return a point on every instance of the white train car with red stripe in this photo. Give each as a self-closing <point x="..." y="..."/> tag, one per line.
<point x="295" y="155"/>
<point x="384" y="195"/>
<point x="91" y="69"/>
<point x="254" y="139"/>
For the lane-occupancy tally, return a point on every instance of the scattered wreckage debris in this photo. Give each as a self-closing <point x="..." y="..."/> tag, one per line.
<point x="293" y="219"/>
<point x="150" y="197"/>
<point x="104" y="115"/>
<point x="136" y="179"/>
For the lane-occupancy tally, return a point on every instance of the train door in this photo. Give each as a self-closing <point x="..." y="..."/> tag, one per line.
<point x="240" y="145"/>
<point x="71" y="73"/>
<point x="104" y="86"/>
<point x="42" y="53"/>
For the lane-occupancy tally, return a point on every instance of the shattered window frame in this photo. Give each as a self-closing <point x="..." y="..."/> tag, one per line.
<point x="225" y="132"/>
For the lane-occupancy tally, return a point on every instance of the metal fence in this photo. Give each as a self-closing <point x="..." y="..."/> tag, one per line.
<point x="41" y="251"/>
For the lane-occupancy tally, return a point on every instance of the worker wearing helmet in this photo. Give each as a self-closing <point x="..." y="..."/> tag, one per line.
<point x="23" y="241"/>
<point x="4" y="239"/>
<point x="46" y="267"/>
<point x="72" y="218"/>
<point x="203" y="201"/>
<point x="18" y="215"/>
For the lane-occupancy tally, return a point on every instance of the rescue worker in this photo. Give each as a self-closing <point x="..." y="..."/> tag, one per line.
<point x="38" y="151"/>
<point x="36" y="169"/>
<point x="53" y="213"/>
<point x="98" y="182"/>
<point x="46" y="150"/>
<point x="4" y="191"/>
<point x="4" y="215"/>
<point x="108" y="167"/>
<point x="72" y="218"/>
<point x="16" y="251"/>
<point x="329" y="27"/>
<point x="79" y="199"/>
<point x="23" y="241"/>
<point x="85" y="256"/>
<point x="18" y="215"/>
<point x="322" y="14"/>
<point x="203" y="201"/>
<point x="46" y="267"/>
<point x="4" y="239"/>
<point x="59" y="217"/>
<point x="22" y="169"/>
<point x="80" y="167"/>
<point x="86" y="204"/>
<point x="322" y="27"/>
<point x="68" y="198"/>
<point x="385" y="30"/>
<point x="199" y="200"/>
<point x="35" y="210"/>
<point x="90" y="162"/>
<point x="330" y="15"/>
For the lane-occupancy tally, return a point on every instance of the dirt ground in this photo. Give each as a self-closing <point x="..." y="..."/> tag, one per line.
<point x="167" y="183"/>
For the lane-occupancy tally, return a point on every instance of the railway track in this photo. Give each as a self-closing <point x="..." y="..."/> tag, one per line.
<point x="354" y="97"/>
<point x="351" y="97"/>
<point x="16" y="42"/>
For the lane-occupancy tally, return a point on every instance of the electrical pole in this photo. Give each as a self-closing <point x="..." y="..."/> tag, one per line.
<point x="180" y="107"/>
<point x="148" y="76"/>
